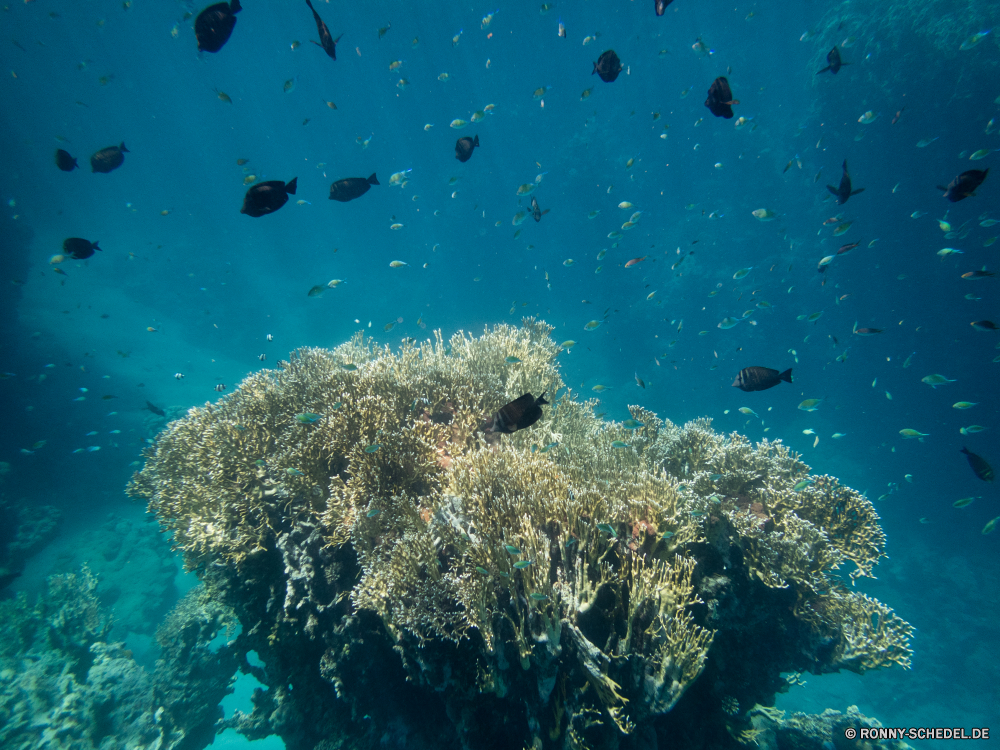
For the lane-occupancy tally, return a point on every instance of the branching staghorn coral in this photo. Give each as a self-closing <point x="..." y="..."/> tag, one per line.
<point x="582" y="568"/>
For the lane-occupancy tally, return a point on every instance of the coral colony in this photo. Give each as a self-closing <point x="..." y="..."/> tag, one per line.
<point x="576" y="584"/>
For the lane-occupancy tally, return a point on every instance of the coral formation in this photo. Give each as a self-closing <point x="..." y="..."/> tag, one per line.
<point x="579" y="582"/>
<point x="64" y="686"/>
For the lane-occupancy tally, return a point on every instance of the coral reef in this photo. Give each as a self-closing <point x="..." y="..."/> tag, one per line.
<point x="24" y="530"/>
<point x="63" y="686"/>
<point x="580" y="584"/>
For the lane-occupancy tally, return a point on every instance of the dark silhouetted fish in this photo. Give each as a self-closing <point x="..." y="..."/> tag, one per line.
<point x="79" y="248"/>
<point x="661" y="6"/>
<point x="520" y="413"/>
<point x="720" y="98"/>
<point x="155" y="409"/>
<point x="847" y="248"/>
<point x="214" y="25"/>
<point x="964" y="185"/>
<point x="844" y="191"/>
<point x="65" y="162"/>
<point x="760" y="378"/>
<point x="464" y="146"/>
<point x="979" y="465"/>
<point x="350" y="188"/>
<point x="833" y="57"/>
<point x="536" y="212"/>
<point x="608" y="66"/>
<point x="326" y="40"/>
<point x="108" y="159"/>
<point x="267" y="197"/>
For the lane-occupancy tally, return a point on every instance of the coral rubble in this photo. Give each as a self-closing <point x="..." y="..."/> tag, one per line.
<point x="581" y="584"/>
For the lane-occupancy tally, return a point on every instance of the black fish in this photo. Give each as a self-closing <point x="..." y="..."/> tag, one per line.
<point x="517" y="415"/>
<point x="833" y="57"/>
<point x="964" y="185"/>
<point x="108" y="159"/>
<point x="608" y="66"/>
<point x="350" y="188"/>
<point x="326" y="40"/>
<point x="214" y="25"/>
<point x="79" y="248"/>
<point x="267" y="197"/>
<point x="661" y="6"/>
<point x="760" y="378"/>
<point x="982" y="469"/>
<point x="844" y="191"/>
<point x="720" y="98"/>
<point x="464" y="146"/>
<point x="536" y="212"/>
<point x="65" y="162"/>
<point x="156" y="409"/>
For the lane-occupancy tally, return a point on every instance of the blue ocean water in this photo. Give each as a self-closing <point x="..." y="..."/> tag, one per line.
<point x="185" y="284"/>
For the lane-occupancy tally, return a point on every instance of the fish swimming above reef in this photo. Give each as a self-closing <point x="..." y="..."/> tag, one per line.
<point x="79" y="248"/>
<point x="537" y="212"/>
<point x="661" y="6"/>
<point x="517" y="415"/>
<point x="979" y="465"/>
<point x="267" y="197"/>
<point x="155" y="409"/>
<point x="215" y="24"/>
<point x="964" y="185"/>
<point x="608" y="66"/>
<point x="835" y="63"/>
<point x="720" y="98"/>
<point x="843" y="191"/>
<point x="760" y="378"/>
<point x="350" y="188"/>
<point x="108" y="159"/>
<point x="464" y="147"/>
<point x="326" y="40"/>
<point x="65" y="162"/>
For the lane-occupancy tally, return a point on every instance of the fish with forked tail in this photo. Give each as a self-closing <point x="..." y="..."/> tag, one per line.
<point x="720" y="98"/>
<point x="326" y="40"/>
<point x="843" y="191"/>
<point x="215" y="24"/>
<point x="835" y="63"/>
<point x="267" y="197"/>
<point x="350" y="188"/>
<point x="517" y="415"/>
<point x="760" y="378"/>
<point x="964" y="185"/>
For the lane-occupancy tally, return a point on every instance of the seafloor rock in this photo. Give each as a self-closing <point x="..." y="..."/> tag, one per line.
<point x="581" y="584"/>
<point x="24" y="530"/>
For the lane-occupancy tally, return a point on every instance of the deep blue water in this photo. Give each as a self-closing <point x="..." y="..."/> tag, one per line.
<point x="214" y="283"/>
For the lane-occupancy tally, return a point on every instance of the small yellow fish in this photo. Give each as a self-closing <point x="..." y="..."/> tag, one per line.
<point x="395" y="65"/>
<point x="748" y="410"/>
<point x="478" y="116"/>
<point x="909" y="434"/>
<point x="457" y="123"/>
<point x="586" y="94"/>
<point x="402" y="83"/>
<point x="397" y="225"/>
<point x="397" y="264"/>
<point x="223" y="96"/>
<point x="289" y="86"/>
<point x="592" y="325"/>
<point x="331" y="105"/>
<point x="841" y="228"/>
<point x="810" y="404"/>
<point x="249" y="179"/>
<point x="295" y="44"/>
<point x="540" y="92"/>
<point x="868" y="118"/>
<point x="838" y="435"/>
<point x="764" y="214"/>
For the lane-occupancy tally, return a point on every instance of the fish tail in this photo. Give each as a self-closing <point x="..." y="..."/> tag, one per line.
<point x="310" y="6"/>
<point x="475" y="141"/>
<point x="121" y="147"/>
<point x="291" y="186"/>
<point x="786" y="375"/>
<point x="373" y="180"/>
<point x="94" y="245"/>
<point x="833" y="190"/>
<point x="823" y="71"/>
<point x="235" y="6"/>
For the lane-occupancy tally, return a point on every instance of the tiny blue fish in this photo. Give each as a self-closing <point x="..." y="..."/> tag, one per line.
<point x="667" y="535"/>
<point x="349" y="367"/>
<point x="802" y="484"/>
<point x="538" y="597"/>
<point x="482" y="571"/>
<point x="633" y="424"/>
<point x="512" y="360"/>
<point x="607" y="529"/>
<point x="293" y="472"/>
<point x="307" y="417"/>
<point x="92" y="448"/>
<point x="715" y="477"/>
<point x="620" y="444"/>
<point x="522" y="564"/>
<point x="260" y="462"/>
<point x="511" y="549"/>
<point x="372" y="448"/>
<point x="549" y="447"/>
<point x="372" y="513"/>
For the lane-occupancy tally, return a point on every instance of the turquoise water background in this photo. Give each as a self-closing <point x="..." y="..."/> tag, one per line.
<point x="178" y="257"/>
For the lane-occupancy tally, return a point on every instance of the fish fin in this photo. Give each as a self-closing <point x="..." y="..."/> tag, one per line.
<point x="315" y="42"/>
<point x="594" y="70"/>
<point x="235" y="7"/>
<point x="941" y="187"/>
<point x="94" y="245"/>
<point x="859" y="190"/>
<point x="833" y="190"/>
<point x="475" y="142"/>
<point x="546" y="211"/>
<point x="786" y="375"/>
<point x="291" y="186"/>
<point x="824" y="70"/>
<point x="121" y="147"/>
<point x="310" y="6"/>
<point x="338" y="38"/>
<point x="373" y="180"/>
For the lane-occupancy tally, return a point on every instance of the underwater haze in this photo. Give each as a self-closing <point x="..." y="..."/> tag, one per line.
<point x="670" y="249"/>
